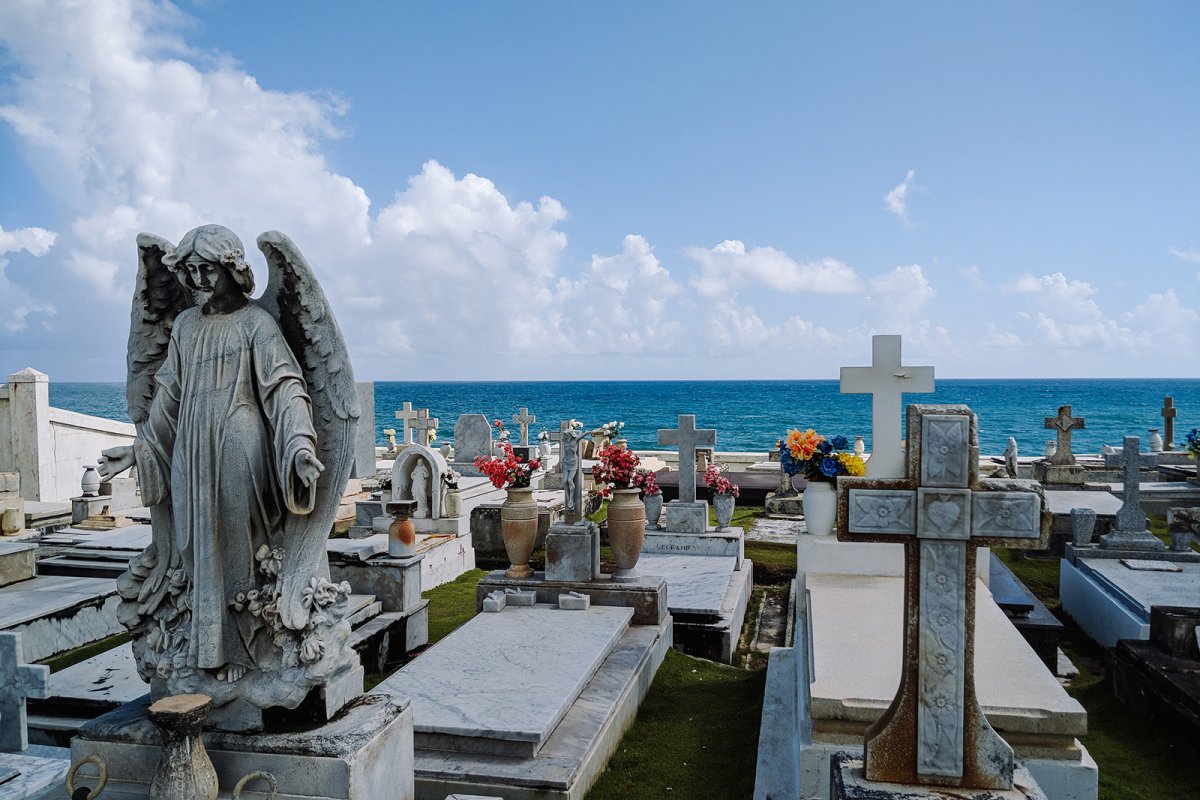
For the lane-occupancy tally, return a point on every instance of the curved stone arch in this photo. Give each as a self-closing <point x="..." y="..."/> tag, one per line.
<point x="402" y="471"/>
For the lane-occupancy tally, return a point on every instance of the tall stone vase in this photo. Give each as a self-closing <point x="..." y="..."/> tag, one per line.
<point x="653" y="504"/>
<point x="518" y="526"/>
<point x="626" y="532"/>
<point x="723" y="508"/>
<point x="820" y="507"/>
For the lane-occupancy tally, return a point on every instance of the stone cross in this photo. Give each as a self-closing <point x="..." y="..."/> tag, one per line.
<point x="17" y="682"/>
<point x="422" y="423"/>
<point x="524" y="419"/>
<point x="1062" y="425"/>
<point x="688" y="439"/>
<point x="934" y="732"/>
<point x="407" y="415"/>
<point x="886" y="380"/>
<point x="571" y="464"/>
<point x="1168" y="415"/>
<point x="1129" y="530"/>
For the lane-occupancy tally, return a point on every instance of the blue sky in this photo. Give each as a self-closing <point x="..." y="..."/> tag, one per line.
<point x="630" y="190"/>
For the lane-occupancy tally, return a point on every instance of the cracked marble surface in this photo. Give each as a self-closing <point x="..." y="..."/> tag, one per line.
<point x="695" y="584"/>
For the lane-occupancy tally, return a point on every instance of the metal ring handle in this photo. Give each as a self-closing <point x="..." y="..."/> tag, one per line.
<point x="102" y="777"/>
<point x="266" y="776"/>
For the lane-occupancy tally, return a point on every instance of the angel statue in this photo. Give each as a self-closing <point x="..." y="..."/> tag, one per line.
<point x="245" y="413"/>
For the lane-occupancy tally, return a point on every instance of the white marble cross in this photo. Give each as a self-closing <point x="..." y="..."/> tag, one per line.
<point x="407" y="415"/>
<point x="941" y="512"/>
<point x="688" y="439"/>
<point x="17" y="682"/>
<point x="1131" y="519"/>
<point x="524" y="419"/>
<point x="886" y="380"/>
<point x="571" y="464"/>
<point x="1062" y="425"/>
<point x="1168" y="414"/>
<point x="423" y="423"/>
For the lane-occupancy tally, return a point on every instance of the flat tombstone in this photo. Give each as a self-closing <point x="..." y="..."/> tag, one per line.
<point x="1168" y="415"/>
<point x="17" y="682"/>
<point x="886" y="380"/>
<point x="570" y="461"/>
<point x="1062" y="424"/>
<point x="934" y="732"/>
<point x="472" y="438"/>
<point x="524" y="419"/>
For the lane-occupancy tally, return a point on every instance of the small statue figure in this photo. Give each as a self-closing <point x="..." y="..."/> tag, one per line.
<point x="420" y="489"/>
<point x="1010" y="457"/>
<point x="245" y="413"/>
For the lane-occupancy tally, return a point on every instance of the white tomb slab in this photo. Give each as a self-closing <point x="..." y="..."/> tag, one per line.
<point x="56" y="613"/>
<point x="1060" y="502"/>
<point x="492" y="687"/>
<point x="108" y="678"/>
<point x="695" y="584"/>
<point x="1111" y="601"/>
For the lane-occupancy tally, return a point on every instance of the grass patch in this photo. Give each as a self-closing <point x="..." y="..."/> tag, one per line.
<point x="774" y="562"/>
<point x="72" y="657"/>
<point x="451" y="604"/>
<point x="743" y="516"/>
<point x="696" y="735"/>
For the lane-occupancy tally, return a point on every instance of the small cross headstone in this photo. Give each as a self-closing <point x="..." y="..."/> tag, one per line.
<point x="524" y="419"/>
<point x="17" y="682"/>
<point x="1062" y="425"/>
<point x="1129" y="530"/>
<point x="423" y="423"/>
<point x="886" y="380"/>
<point x="934" y="732"/>
<point x="1168" y="415"/>
<point x="407" y="415"/>
<point x="688" y="439"/>
<point x="570" y="461"/>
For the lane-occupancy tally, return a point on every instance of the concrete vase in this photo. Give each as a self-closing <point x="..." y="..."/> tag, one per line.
<point x="723" y="507"/>
<point x="820" y="507"/>
<point x="626" y="532"/>
<point x="518" y="526"/>
<point x="653" y="504"/>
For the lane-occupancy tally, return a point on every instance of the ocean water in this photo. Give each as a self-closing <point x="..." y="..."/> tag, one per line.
<point x="754" y="415"/>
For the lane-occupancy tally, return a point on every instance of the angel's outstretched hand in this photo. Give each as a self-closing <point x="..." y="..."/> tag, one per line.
<point x="114" y="461"/>
<point x="308" y="466"/>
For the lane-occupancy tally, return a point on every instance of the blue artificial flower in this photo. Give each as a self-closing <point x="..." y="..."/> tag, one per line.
<point x="839" y="443"/>
<point x="825" y="448"/>
<point x="787" y="462"/>
<point x="829" y="467"/>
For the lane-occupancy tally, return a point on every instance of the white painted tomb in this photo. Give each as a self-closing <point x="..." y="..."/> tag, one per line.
<point x="1111" y="601"/>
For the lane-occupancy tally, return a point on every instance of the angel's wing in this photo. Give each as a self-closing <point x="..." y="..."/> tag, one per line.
<point x="295" y="299"/>
<point x="157" y="300"/>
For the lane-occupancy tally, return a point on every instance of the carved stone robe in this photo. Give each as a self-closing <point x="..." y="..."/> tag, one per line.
<point x="230" y="412"/>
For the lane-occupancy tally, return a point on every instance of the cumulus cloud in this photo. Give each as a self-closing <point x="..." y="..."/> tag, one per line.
<point x="1190" y="254"/>
<point x="729" y="265"/>
<point x="897" y="199"/>
<point x="19" y="305"/>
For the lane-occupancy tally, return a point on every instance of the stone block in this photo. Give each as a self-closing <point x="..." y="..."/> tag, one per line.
<point x="573" y="552"/>
<point x="18" y="562"/>
<point x="847" y="782"/>
<point x="574" y="601"/>
<point x="520" y="597"/>
<point x="395" y="582"/>
<point x="10" y="484"/>
<point x="495" y="601"/>
<point x="1060" y="474"/>
<point x="647" y="596"/>
<point x="683" y="517"/>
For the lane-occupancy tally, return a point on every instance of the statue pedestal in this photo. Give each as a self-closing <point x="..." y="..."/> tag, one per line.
<point x="847" y="783"/>
<point x="365" y="752"/>
<point x="1061" y="474"/>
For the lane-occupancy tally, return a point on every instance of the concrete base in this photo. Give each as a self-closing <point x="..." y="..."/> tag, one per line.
<point x="366" y="752"/>
<point x="1059" y="474"/>
<point x="1101" y="616"/>
<point x="1139" y="541"/>
<point x="573" y="552"/>
<point x="707" y="623"/>
<point x="711" y="543"/>
<point x="1111" y="602"/>
<point x="684" y="517"/>
<point x="395" y="582"/>
<point x="791" y="506"/>
<point x="647" y="596"/>
<point x="17" y="562"/>
<point x="848" y="783"/>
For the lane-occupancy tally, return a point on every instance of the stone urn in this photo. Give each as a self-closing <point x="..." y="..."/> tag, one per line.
<point x="1051" y="448"/>
<point x="90" y="484"/>
<point x="1156" y="441"/>
<point x="820" y="507"/>
<point x="626" y="532"/>
<point x="723" y="508"/>
<point x="184" y="770"/>
<point x="859" y="446"/>
<point x="402" y="534"/>
<point x="452" y="503"/>
<point x="653" y="504"/>
<point x="544" y="450"/>
<point x="518" y="526"/>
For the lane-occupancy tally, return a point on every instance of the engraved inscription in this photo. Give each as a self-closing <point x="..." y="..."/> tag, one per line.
<point x="943" y="513"/>
<point x="944" y="450"/>
<point x="941" y="675"/>
<point x="882" y="511"/>
<point x="1011" y="514"/>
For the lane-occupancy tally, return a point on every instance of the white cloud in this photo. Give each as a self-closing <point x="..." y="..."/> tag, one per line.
<point x="18" y="304"/>
<point x="1191" y="254"/>
<point x="897" y="199"/>
<point x="729" y="265"/>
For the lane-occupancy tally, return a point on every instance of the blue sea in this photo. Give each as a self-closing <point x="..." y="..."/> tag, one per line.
<point x="753" y="415"/>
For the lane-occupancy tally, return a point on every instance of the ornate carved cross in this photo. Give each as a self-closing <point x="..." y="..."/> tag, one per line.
<point x="524" y="419"/>
<point x="423" y="423"/>
<point x="17" y="682"/>
<point x="407" y="415"/>
<point x="571" y="464"/>
<point x="687" y="438"/>
<point x="1062" y="425"/>
<point x="934" y="732"/>
<point x="1168" y="415"/>
<point x="886" y="380"/>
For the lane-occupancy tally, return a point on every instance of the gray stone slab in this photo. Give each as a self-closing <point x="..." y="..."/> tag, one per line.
<point x="48" y="595"/>
<point x="35" y="772"/>
<point x="1147" y="588"/>
<point x="357" y="549"/>
<point x="107" y="679"/>
<point x="502" y="682"/>
<point x="780" y="531"/>
<point x="1062" y="501"/>
<point x="695" y="584"/>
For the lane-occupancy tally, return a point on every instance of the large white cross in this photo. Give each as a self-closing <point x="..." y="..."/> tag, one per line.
<point x="886" y="380"/>
<point x="941" y="512"/>
<point x="17" y="682"/>
<point x="524" y="419"/>
<point x="407" y="415"/>
<point x="688" y="439"/>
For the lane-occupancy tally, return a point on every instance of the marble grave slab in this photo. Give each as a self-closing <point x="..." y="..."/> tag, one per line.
<point x="695" y="584"/>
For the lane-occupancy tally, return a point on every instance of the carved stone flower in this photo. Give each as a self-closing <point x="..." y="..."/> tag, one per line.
<point x="270" y="560"/>
<point x="312" y="649"/>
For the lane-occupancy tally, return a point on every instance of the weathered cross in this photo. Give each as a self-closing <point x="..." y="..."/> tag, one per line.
<point x="17" y="682"/>
<point x="524" y="419"/>
<point x="407" y="415"/>
<point x="1129" y="529"/>
<point x="423" y="423"/>
<point x="934" y="732"/>
<point x="571" y="464"/>
<point x="1168" y="415"/>
<point x="1062" y="425"/>
<point x="687" y="438"/>
<point x="886" y="380"/>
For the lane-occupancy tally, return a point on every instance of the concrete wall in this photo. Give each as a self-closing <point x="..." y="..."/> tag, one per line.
<point x="78" y="439"/>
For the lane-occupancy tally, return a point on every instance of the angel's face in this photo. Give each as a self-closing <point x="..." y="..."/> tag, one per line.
<point x="209" y="278"/>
